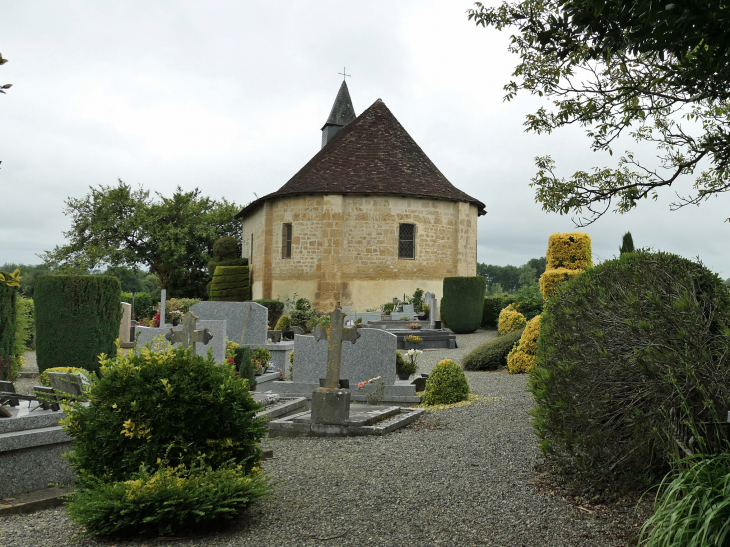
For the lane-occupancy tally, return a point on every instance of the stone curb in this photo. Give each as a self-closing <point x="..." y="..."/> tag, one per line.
<point x="31" y="502"/>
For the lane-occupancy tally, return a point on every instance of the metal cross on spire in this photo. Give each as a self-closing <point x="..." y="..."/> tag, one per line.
<point x="344" y="74"/>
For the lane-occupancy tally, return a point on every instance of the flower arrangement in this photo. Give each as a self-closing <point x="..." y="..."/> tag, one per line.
<point x="405" y="318"/>
<point x="414" y="326"/>
<point x="409" y="365"/>
<point x="376" y="395"/>
<point x="413" y="339"/>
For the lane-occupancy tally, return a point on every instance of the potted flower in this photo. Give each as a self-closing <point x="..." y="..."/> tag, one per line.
<point x="414" y="326"/>
<point x="424" y="312"/>
<point x="412" y="341"/>
<point x="387" y="310"/>
<point x="406" y="367"/>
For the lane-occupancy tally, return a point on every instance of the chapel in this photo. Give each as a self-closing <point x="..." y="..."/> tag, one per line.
<point x="367" y="219"/>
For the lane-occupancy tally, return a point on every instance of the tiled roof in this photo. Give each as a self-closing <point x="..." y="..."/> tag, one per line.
<point x="373" y="154"/>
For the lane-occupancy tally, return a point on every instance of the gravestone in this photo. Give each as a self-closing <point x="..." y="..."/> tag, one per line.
<point x="330" y="404"/>
<point x="430" y="299"/>
<point x="68" y="383"/>
<point x="246" y="322"/>
<point x="188" y="335"/>
<point x="408" y="310"/>
<point x="217" y="343"/>
<point x="126" y="323"/>
<point x="373" y="355"/>
<point x="163" y="305"/>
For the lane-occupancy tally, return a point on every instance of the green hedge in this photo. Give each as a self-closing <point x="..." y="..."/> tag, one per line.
<point x="230" y="284"/>
<point x="493" y="354"/>
<point x="275" y="309"/>
<point x="8" y="311"/>
<point x="213" y="264"/>
<point x="492" y="306"/>
<point x="463" y="303"/>
<point x="144" y="304"/>
<point x="77" y="318"/>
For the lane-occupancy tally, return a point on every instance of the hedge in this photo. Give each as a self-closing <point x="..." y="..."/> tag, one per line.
<point x="571" y="250"/>
<point x="230" y="284"/>
<point x="463" y="302"/>
<point x="493" y="354"/>
<point x="144" y="304"/>
<point x="77" y="318"/>
<point x="492" y="306"/>
<point x="275" y="309"/>
<point x="8" y="311"/>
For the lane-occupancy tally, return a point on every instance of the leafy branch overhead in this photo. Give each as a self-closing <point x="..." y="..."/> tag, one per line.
<point x="6" y="86"/>
<point x="658" y="72"/>
<point x="119" y="226"/>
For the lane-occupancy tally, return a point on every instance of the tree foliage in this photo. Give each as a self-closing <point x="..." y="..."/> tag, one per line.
<point x="627" y="244"/>
<point x="655" y="70"/>
<point x="6" y="86"/>
<point x="512" y="278"/>
<point x="119" y="226"/>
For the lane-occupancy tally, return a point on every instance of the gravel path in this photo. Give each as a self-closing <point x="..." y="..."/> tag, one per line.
<point x="461" y="476"/>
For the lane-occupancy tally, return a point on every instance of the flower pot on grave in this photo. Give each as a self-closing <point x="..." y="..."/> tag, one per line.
<point x="385" y="317"/>
<point x="275" y="336"/>
<point x="403" y="375"/>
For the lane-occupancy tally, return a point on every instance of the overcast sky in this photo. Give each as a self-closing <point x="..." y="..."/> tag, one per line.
<point x="230" y="97"/>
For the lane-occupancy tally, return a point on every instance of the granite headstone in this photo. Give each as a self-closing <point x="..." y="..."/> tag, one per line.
<point x="246" y="322"/>
<point x="216" y="328"/>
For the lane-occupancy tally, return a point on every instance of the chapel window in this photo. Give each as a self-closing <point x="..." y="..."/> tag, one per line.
<point x="286" y="241"/>
<point x="407" y="241"/>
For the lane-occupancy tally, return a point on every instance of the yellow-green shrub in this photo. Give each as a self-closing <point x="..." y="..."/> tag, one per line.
<point x="510" y="320"/>
<point x="552" y="279"/>
<point x="522" y="357"/>
<point x="284" y="323"/>
<point x="571" y="250"/>
<point x="46" y="381"/>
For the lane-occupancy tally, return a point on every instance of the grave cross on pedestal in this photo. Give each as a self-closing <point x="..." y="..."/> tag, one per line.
<point x="336" y="335"/>
<point x="188" y="335"/>
<point x="330" y="404"/>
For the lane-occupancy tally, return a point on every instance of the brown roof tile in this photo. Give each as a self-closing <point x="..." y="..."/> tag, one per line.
<point x="373" y="154"/>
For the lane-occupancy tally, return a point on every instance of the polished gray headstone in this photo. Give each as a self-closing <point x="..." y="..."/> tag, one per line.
<point x="373" y="354"/>
<point x="235" y="314"/>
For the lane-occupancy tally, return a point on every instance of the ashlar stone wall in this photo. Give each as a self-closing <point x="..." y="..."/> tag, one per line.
<point x="345" y="248"/>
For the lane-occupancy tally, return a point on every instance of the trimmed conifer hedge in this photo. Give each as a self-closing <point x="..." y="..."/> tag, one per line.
<point x="230" y="284"/>
<point x="8" y="311"/>
<point x="493" y="354"/>
<point x="77" y="318"/>
<point x="463" y="303"/>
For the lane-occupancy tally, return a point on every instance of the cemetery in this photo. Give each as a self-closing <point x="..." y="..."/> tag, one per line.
<point x="325" y="378"/>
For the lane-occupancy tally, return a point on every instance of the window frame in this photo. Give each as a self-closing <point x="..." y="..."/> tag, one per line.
<point x="402" y="241"/>
<point x="286" y="237"/>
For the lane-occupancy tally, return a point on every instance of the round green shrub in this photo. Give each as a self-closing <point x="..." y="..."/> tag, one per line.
<point x="225" y="248"/>
<point x="230" y="284"/>
<point x="446" y="384"/>
<point x="167" y="405"/>
<point x="493" y="354"/>
<point x="619" y="346"/>
<point x="463" y="302"/>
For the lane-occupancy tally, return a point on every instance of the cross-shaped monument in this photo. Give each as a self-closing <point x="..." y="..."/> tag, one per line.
<point x="188" y="335"/>
<point x="330" y="404"/>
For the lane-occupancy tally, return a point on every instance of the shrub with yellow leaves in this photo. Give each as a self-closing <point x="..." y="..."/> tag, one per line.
<point x="510" y="320"/>
<point x="522" y="357"/>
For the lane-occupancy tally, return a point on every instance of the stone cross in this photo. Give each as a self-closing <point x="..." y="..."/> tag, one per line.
<point x="336" y="335"/>
<point x="188" y="335"/>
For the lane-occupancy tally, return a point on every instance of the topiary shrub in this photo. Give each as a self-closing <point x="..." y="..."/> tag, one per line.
<point x="230" y="284"/>
<point x="490" y="311"/>
<point x="552" y="279"/>
<point x="302" y="314"/>
<point x="571" y="251"/>
<point x="510" y="320"/>
<point x="446" y="384"/>
<point x="522" y="357"/>
<point x="213" y="264"/>
<point x="463" y="302"/>
<point x="148" y="460"/>
<point x="284" y="323"/>
<point x="77" y="319"/>
<point x="246" y="368"/>
<point x="619" y="346"/>
<point x="225" y="248"/>
<point x="493" y="354"/>
<point x="46" y="380"/>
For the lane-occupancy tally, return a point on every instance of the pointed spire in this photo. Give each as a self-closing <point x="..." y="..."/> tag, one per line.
<point x="341" y="114"/>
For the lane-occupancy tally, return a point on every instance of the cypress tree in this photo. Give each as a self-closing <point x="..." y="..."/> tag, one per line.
<point x="627" y="245"/>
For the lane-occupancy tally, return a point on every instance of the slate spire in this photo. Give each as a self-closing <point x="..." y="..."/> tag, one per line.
<point x="341" y="114"/>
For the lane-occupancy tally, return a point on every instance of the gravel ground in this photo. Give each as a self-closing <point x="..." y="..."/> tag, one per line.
<point x="460" y="476"/>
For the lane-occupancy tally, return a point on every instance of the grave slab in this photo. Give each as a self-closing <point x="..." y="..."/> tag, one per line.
<point x="238" y="315"/>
